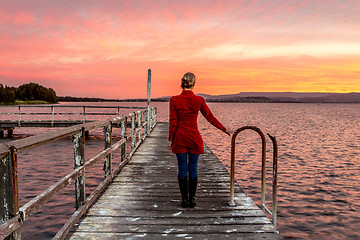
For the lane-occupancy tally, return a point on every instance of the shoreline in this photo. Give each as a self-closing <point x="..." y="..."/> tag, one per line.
<point x="30" y="102"/>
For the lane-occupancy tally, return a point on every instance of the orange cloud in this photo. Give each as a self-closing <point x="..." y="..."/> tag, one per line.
<point x="103" y="49"/>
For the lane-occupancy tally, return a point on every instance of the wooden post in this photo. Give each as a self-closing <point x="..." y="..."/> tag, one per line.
<point x="79" y="142"/>
<point x="145" y="120"/>
<point x="52" y="116"/>
<point x="107" y="164"/>
<point x="10" y="132"/>
<point x="153" y="118"/>
<point x="118" y="115"/>
<point x="148" y="103"/>
<point x="9" y="203"/>
<point x="133" y="136"/>
<point x="123" y="135"/>
<point x="139" y="125"/>
<point x="84" y="114"/>
<point x="87" y="134"/>
<point x="19" y="117"/>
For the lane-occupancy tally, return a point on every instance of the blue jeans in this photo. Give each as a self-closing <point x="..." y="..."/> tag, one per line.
<point x="185" y="166"/>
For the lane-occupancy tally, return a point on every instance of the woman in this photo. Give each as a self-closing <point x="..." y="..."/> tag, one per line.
<point x="184" y="137"/>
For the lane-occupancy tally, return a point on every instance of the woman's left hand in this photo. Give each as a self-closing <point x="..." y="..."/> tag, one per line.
<point x="170" y="145"/>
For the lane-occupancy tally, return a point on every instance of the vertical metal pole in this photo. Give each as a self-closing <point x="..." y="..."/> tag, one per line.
<point x="107" y="164"/>
<point x="275" y="164"/>
<point x="232" y="172"/>
<point x="9" y="203"/>
<point x="263" y="171"/>
<point x="123" y="135"/>
<point x="79" y="142"/>
<point x="148" y="103"/>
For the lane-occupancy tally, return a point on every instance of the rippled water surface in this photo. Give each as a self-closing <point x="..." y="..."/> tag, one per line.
<point x="319" y="166"/>
<point x="319" y="163"/>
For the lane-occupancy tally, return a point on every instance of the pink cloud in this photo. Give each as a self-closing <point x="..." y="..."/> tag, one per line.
<point x="109" y="45"/>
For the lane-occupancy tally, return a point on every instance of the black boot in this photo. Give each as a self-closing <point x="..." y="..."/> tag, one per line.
<point x="192" y="192"/>
<point x="184" y="191"/>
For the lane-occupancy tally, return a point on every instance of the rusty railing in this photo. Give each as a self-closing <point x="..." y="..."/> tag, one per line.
<point x="273" y="213"/>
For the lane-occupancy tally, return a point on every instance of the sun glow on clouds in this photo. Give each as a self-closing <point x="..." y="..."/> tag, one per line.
<point x="241" y="51"/>
<point x="106" y="47"/>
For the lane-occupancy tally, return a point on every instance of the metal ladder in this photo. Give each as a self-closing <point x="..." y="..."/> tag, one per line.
<point x="273" y="213"/>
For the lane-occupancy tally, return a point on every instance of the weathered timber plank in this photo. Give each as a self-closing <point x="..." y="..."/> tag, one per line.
<point x="208" y="197"/>
<point x="155" y="185"/>
<point x="171" y="192"/>
<point x="178" y="220"/>
<point x="170" y="205"/>
<point x="143" y="202"/>
<point x="177" y="228"/>
<point x="117" y="236"/>
<point x="126" y="179"/>
<point x="180" y="212"/>
<point x="175" y="213"/>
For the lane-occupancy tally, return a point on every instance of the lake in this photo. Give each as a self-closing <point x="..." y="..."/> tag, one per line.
<point x="319" y="165"/>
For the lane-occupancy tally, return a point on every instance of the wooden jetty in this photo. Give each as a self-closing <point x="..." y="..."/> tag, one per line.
<point x="54" y="115"/>
<point x="135" y="127"/>
<point x="139" y="198"/>
<point x="143" y="202"/>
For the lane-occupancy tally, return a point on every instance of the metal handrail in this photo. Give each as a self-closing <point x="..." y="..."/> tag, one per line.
<point x="273" y="213"/>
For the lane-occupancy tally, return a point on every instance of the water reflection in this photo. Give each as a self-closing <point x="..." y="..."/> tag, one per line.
<point x="318" y="192"/>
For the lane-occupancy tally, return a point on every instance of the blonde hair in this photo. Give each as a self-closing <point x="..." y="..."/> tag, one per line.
<point x="188" y="80"/>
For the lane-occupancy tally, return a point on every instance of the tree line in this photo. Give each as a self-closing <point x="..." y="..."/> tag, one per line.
<point x="27" y="92"/>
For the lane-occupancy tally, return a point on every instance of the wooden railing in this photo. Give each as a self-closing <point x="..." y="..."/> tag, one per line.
<point x="50" y="113"/>
<point x="12" y="217"/>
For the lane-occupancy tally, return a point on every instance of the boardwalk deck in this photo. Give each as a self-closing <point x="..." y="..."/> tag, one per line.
<point x="143" y="202"/>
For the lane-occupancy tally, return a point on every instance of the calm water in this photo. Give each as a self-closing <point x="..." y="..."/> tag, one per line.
<point x="318" y="184"/>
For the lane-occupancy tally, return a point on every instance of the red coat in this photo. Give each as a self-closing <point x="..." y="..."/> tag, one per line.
<point x="183" y="129"/>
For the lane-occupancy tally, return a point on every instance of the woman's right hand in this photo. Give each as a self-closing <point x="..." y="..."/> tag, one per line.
<point x="170" y="145"/>
<point x="229" y="131"/>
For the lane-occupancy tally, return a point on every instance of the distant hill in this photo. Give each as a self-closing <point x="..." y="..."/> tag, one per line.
<point x="280" y="97"/>
<point x="251" y="97"/>
<point x="84" y="99"/>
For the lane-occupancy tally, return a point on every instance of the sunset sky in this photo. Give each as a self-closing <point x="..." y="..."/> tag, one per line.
<point x="93" y="48"/>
